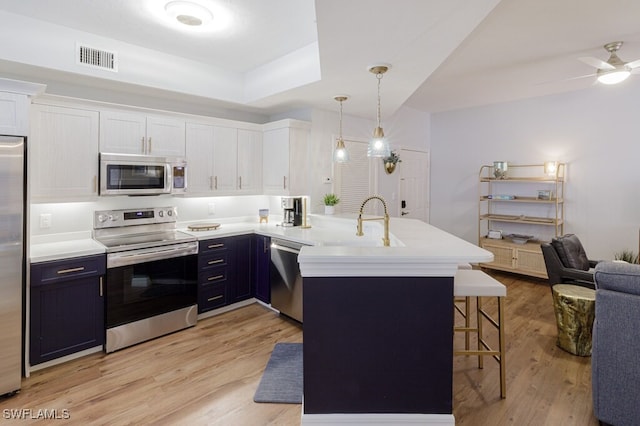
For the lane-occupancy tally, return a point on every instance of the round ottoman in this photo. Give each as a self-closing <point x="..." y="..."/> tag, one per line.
<point x="575" y="309"/>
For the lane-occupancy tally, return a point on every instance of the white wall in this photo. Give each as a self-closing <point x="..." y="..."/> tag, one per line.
<point x="408" y="128"/>
<point x="594" y="130"/>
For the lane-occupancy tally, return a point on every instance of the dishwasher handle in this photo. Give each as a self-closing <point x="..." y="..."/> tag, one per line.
<point x="275" y="246"/>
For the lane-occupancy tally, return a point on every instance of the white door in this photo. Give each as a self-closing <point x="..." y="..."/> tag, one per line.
<point x="414" y="184"/>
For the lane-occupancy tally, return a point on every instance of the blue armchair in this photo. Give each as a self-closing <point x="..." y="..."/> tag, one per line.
<point x="615" y="366"/>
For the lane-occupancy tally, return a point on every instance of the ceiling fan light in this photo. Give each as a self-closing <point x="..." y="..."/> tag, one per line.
<point x="614" y="76"/>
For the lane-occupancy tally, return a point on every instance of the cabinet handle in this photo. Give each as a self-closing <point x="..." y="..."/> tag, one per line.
<point x="239" y="182"/>
<point x="217" y="277"/>
<point x="265" y="246"/>
<point x="213" y="262"/>
<point x="142" y="147"/>
<point x="149" y="146"/>
<point x="212" y="246"/>
<point x="215" y="182"/>
<point x="95" y="184"/>
<point x="211" y="299"/>
<point x="100" y="286"/>
<point x="68" y="271"/>
<point x="284" y="182"/>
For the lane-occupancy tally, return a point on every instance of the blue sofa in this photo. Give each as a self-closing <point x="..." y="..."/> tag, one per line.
<point x="615" y="359"/>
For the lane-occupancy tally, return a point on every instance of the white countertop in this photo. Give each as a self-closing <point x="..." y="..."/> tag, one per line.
<point x="418" y="249"/>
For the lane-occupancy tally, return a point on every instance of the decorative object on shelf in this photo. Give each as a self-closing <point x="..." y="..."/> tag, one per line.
<point x="379" y="145"/>
<point x="264" y="215"/>
<point x="500" y="169"/>
<point x="545" y="194"/>
<point x="494" y="234"/>
<point x="519" y="238"/>
<point x="550" y="168"/>
<point x="340" y="154"/>
<point x="501" y="197"/>
<point x="330" y="201"/>
<point x="390" y="162"/>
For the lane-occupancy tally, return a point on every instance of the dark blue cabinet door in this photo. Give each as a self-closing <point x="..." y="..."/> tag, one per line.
<point x="243" y="263"/>
<point x="261" y="268"/>
<point x="66" y="312"/>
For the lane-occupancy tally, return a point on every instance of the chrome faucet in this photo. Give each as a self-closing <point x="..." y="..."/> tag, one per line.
<point x="359" y="233"/>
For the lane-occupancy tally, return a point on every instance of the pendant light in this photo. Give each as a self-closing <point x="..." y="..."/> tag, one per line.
<point x="378" y="145"/>
<point x="340" y="154"/>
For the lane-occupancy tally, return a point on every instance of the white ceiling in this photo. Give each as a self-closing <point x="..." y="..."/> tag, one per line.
<point x="445" y="54"/>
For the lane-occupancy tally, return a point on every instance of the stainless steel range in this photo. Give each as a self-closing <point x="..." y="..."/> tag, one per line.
<point x="151" y="286"/>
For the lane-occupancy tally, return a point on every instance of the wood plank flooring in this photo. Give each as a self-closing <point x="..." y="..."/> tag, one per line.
<point x="207" y="375"/>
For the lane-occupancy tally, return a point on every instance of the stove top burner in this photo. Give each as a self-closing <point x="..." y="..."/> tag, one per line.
<point x="125" y="230"/>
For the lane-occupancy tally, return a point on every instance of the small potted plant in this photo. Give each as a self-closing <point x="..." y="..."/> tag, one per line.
<point x="390" y="162"/>
<point x="330" y="201"/>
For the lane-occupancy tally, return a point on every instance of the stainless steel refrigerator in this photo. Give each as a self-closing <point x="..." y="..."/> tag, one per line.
<point x="12" y="260"/>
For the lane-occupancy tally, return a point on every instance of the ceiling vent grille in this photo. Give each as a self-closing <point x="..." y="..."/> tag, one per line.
<point x="96" y="58"/>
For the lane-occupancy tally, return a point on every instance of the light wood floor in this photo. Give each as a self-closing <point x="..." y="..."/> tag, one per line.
<point x="207" y="375"/>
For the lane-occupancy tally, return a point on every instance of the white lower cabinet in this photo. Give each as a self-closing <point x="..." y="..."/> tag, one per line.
<point x="63" y="149"/>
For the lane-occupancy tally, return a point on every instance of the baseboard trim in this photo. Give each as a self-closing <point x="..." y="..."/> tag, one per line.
<point x="368" y="419"/>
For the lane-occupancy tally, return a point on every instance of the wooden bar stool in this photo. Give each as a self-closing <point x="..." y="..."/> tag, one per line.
<point x="469" y="284"/>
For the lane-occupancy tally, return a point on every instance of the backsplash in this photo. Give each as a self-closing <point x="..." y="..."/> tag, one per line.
<point x="78" y="217"/>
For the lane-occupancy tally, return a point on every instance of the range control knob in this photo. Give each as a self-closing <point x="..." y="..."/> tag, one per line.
<point x="170" y="212"/>
<point x="102" y="218"/>
<point x="160" y="213"/>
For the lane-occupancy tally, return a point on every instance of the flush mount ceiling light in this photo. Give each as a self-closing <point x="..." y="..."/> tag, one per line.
<point x="188" y="13"/>
<point x="378" y="145"/>
<point x="340" y="154"/>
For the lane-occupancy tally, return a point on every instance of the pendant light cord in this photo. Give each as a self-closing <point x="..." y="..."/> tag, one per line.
<point x="340" y="120"/>
<point x="379" y="77"/>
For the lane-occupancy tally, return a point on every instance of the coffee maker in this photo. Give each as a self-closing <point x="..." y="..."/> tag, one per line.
<point x="291" y="211"/>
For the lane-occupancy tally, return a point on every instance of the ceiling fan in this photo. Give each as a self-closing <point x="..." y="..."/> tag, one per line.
<point x="614" y="70"/>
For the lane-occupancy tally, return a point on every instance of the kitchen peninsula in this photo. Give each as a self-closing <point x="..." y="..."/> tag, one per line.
<point x="378" y="328"/>
<point x="378" y="320"/>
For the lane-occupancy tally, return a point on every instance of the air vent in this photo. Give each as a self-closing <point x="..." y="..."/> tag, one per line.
<point x="96" y="58"/>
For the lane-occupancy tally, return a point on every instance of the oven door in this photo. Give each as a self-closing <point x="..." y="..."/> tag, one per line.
<point x="143" y="290"/>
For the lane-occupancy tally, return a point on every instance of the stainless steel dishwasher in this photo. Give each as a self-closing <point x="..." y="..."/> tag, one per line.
<point x="286" y="282"/>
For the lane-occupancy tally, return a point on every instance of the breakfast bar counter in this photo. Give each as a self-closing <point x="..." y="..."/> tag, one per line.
<point x="378" y="328"/>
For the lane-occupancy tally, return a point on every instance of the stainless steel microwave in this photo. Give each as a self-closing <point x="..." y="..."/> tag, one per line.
<point x="132" y="174"/>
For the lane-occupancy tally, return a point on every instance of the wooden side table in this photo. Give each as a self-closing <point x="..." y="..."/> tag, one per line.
<point x="575" y="309"/>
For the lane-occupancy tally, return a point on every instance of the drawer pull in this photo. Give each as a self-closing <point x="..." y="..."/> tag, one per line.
<point x="217" y="277"/>
<point x="211" y="299"/>
<point x="70" y="270"/>
<point x="213" y="262"/>
<point x="212" y="246"/>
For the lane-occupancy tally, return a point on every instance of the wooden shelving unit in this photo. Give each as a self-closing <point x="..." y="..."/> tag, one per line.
<point x="514" y="202"/>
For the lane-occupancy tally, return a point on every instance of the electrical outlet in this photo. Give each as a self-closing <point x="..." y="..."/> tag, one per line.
<point x="45" y="220"/>
<point x="212" y="208"/>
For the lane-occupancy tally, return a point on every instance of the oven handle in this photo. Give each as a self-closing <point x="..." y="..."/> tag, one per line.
<point x="133" y="257"/>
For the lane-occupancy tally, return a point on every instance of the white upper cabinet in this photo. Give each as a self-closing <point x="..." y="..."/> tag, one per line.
<point x="223" y="160"/>
<point x="14" y="109"/>
<point x="249" y="161"/>
<point x="63" y="150"/>
<point x="135" y="133"/>
<point x="284" y="158"/>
